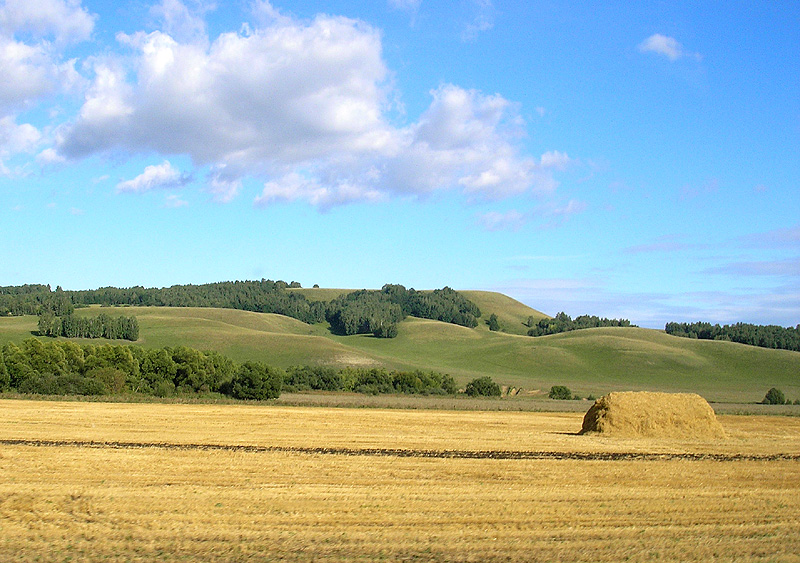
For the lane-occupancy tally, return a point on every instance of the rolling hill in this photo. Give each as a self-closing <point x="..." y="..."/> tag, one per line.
<point x="592" y="361"/>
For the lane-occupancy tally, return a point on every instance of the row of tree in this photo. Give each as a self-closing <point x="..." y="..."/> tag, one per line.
<point x="63" y="367"/>
<point x="358" y="312"/>
<point x="101" y="326"/>
<point x="765" y="336"/>
<point x="562" y="322"/>
<point x="369" y="380"/>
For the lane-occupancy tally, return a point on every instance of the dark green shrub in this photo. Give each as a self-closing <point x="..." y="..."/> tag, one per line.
<point x="560" y="392"/>
<point x="73" y="384"/>
<point x="385" y="331"/>
<point x="774" y="397"/>
<point x="482" y="387"/>
<point x="254" y="380"/>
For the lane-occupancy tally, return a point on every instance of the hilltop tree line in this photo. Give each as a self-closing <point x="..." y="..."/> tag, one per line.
<point x="764" y="336"/>
<point x="66" y="368"/>
<point x="359" y="312"/>
<point x="562" y="322"/>
<point x="378" y="312"/>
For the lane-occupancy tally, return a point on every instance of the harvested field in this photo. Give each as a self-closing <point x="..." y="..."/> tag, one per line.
<point x="121" y="482"/>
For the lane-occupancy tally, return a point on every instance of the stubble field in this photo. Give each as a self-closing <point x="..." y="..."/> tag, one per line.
<point x="127" y="482"/>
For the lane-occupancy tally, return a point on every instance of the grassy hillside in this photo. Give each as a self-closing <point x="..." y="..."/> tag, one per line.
<point x="511" y="313"/>
<point x="592" y="361"/>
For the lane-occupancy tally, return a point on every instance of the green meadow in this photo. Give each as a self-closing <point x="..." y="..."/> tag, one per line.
<point x="590" y="362"/>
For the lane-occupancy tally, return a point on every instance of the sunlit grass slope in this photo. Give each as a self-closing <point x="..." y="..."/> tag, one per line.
<point x="511" y="314"/>
<point x="593" y="361"/>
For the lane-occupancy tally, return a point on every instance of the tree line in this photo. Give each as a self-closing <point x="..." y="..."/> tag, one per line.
<point x="101" y="326"/>
<point x="764" y="336"/>
<point x="358" y="312"/>
<point x="378" y="312"/>
<point x="371" y="381"/>
<point x="64" y="367"/>
<point x="562" y="322"/>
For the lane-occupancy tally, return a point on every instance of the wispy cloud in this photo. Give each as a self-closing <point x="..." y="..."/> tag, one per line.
<point x="483" y="20"/>
<point x="496" y="221"/>
<point x="788" y="237"/>
<point x="173" y="202"/>
<point x="665" y="243"/>
<point x="774" y="305"/>
<point x="689" y="192"/>
<point x="667" y="47"/>
<point x="780" y="268"/>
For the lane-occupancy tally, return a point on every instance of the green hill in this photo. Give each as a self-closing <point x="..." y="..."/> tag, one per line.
<point x="593" y="361"/>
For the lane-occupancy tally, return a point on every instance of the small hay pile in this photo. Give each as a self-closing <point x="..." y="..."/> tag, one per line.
<point x="670" y="415"/>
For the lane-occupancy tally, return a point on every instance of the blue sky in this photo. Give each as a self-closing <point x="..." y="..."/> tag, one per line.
<point x="636" y="160"/>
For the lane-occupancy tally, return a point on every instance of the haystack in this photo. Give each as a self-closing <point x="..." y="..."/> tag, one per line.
<point x="670" y="415"/>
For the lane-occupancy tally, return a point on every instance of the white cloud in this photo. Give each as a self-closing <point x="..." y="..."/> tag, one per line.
<point x="303" y="105"/>
<point x="294" y="186"/>
<point x="181" y="22"/>
<point x="464" y="139"/>
<point x="49" y="156"/>
<point x="159" y="176"/>
<point x="666" y="46"/>
<point x="556" y="160"/>
<point x="289" y="93"/>
<point x="32" y="68"/>
<point x="65" y="20"/>
<point x="16" y="139"/>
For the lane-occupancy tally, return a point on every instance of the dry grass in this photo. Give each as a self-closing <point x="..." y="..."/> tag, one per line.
<point x="643" y="413"/>
<point x="61" y="503"/>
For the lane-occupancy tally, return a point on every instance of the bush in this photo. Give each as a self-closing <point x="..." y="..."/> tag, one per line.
<point x="774" y="397"/>
<point x="73" y="384"/>
<point x="254" y="380"/>
<point x="560" y="392"/>
<point x="482" y="387"/>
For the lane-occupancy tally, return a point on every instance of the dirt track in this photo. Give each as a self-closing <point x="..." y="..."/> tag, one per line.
<point x="390" y="452"/>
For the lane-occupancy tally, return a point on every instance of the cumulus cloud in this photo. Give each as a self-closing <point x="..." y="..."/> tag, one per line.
<point x="15" y="139"/>
<point x="294" y="186"/>
<point x="463" y="139"/>
<point x="665" y="46"/>
<point x="65" y="20"/>
<point x="30" y="71"/>
<point x="158" y="176"/>
<point x="282" y="94"/>
<point x="303" y="106"/>
<point x="181" y="22"/>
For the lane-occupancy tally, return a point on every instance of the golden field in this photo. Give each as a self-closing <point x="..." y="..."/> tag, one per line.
<point x="134" y="482"/>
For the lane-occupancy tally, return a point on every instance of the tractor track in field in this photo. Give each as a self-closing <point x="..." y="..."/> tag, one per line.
<point x="398" y="452"/>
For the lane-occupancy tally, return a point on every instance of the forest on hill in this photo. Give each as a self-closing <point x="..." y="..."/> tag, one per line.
<point x="358" y="312"/>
